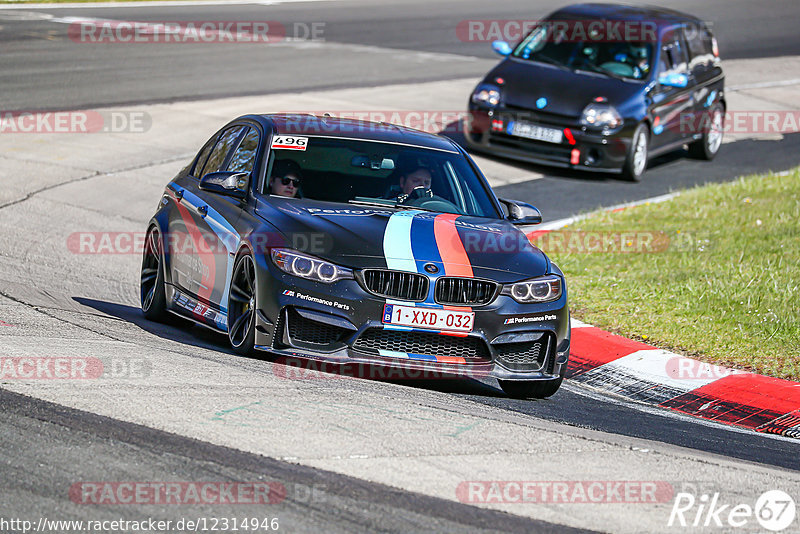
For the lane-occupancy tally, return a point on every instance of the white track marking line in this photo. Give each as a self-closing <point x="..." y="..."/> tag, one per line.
<point x="764" y="85"/>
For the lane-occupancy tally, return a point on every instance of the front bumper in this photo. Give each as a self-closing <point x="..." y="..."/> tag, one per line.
<point x="341" y="323"/>
<point x="488" y="131"/>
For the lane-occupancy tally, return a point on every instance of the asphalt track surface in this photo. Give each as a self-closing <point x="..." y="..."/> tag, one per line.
<point x="41" y="67"/>
<point x="48" y="447"/>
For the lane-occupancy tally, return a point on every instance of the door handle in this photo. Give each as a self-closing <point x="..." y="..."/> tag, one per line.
<point x="202" y="210"/>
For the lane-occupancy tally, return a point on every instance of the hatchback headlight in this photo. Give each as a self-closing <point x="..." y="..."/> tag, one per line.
<point x="542" y="289"/>
<point x="486" y="94"/>
<point x="601" y="116"/>
<point x="308" y="267"/>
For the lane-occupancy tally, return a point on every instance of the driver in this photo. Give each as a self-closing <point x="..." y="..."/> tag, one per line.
<point x="413" y="180"/>
<point x="420" y="177"/>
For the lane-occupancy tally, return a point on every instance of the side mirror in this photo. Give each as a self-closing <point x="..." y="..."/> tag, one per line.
<point x="501" y="47"/>
<point x="674" y="80"/>
<point x="521" y="213"/>
<point x="233" y="184"/>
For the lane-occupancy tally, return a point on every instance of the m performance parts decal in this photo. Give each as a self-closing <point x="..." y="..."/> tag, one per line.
<point x="316" y="300"/>
<point x="534" y="319"/>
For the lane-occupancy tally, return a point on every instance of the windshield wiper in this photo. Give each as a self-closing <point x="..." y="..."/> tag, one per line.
<point x="387" y="204"/>
<point x="375" y="204"/>
<point x="549" y="61"/>
<point x="600" y="70"/>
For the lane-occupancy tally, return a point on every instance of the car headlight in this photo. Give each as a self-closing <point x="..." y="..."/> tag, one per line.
<point x="486" y="94"/>
<point x="601" y="116"/>
<point x="542" y="289"/>
<point x="308" y="267"/>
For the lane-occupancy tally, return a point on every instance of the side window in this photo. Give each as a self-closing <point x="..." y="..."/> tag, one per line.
<point x="202" y="157"/>
<point x="243" y="159"/>
<point x="226" y="141"/>
<point x="673" y="55"/>
<point x="695" y="40"/>
<point x="700" y="48"/>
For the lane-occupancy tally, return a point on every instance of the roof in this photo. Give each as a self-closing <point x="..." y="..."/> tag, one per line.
<point x="660" y="15"/>
<point x="305" y="124"/>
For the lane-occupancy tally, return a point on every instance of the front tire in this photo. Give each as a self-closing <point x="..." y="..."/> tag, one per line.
<point x="242" y="306"/>
<point x="707" y="146"/>
<point x="638" y="153"/>
<point x="531" y="389"/>
<point x="153" y="297"/>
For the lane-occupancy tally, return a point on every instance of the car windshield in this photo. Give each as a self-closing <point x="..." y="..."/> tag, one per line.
<point x="594" y="46"/>
<point x="378" y="174"/>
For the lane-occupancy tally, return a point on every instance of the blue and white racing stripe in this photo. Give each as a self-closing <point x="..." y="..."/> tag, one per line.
<point x="409" y="243"/>
<point x="397" y="248"/>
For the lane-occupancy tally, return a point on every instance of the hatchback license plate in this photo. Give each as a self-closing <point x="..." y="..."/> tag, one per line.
<point x="533" y="131"/>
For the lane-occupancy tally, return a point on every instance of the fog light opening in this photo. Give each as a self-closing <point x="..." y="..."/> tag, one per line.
<point x="593" y="157"/>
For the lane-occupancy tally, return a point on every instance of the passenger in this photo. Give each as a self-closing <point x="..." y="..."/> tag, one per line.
<point x="286" y="178"/>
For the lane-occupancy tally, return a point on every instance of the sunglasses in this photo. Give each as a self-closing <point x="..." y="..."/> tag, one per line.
<point x="286" y="181"/>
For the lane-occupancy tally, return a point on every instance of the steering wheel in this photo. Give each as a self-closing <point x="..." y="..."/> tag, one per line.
<point x="423" y="197"/>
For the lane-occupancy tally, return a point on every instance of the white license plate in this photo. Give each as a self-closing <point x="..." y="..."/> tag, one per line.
<point x="532" y="131"/>
<point x="446" y="320"/>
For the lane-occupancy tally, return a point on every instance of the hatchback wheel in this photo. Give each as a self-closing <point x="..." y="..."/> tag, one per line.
<point x="708" y="145"/>
<point x="636" y="160"/>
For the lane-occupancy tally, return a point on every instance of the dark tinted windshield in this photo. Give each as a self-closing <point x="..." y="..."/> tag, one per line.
<point x="361" y="172"/>
<point x="596" y="46"/>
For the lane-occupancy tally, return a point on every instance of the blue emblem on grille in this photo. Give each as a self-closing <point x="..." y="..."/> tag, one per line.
<point x="542" y="102"/>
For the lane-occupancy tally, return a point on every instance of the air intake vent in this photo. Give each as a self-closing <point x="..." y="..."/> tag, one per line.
<point x="465" y="291"/>
<point x="396" y="284"/>
<point x="376" y="339"/>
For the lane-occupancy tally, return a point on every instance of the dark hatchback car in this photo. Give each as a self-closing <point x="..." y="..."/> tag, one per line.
<point x="602" y="87"/>
<point x="355" y="243"/>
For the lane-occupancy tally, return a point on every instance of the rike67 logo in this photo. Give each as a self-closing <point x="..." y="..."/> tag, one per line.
<point x="774" y="510"/>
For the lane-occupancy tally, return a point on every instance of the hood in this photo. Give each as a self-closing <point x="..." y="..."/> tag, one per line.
<point x="567" y="92"/>
<point x="358" y="237"/>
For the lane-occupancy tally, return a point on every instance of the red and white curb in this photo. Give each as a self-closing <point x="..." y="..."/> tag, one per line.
<point x="643" y="373"/>
<point x="639" y="372"/>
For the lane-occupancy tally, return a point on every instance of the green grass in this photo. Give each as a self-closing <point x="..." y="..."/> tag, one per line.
<point x="727" y="288"/>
